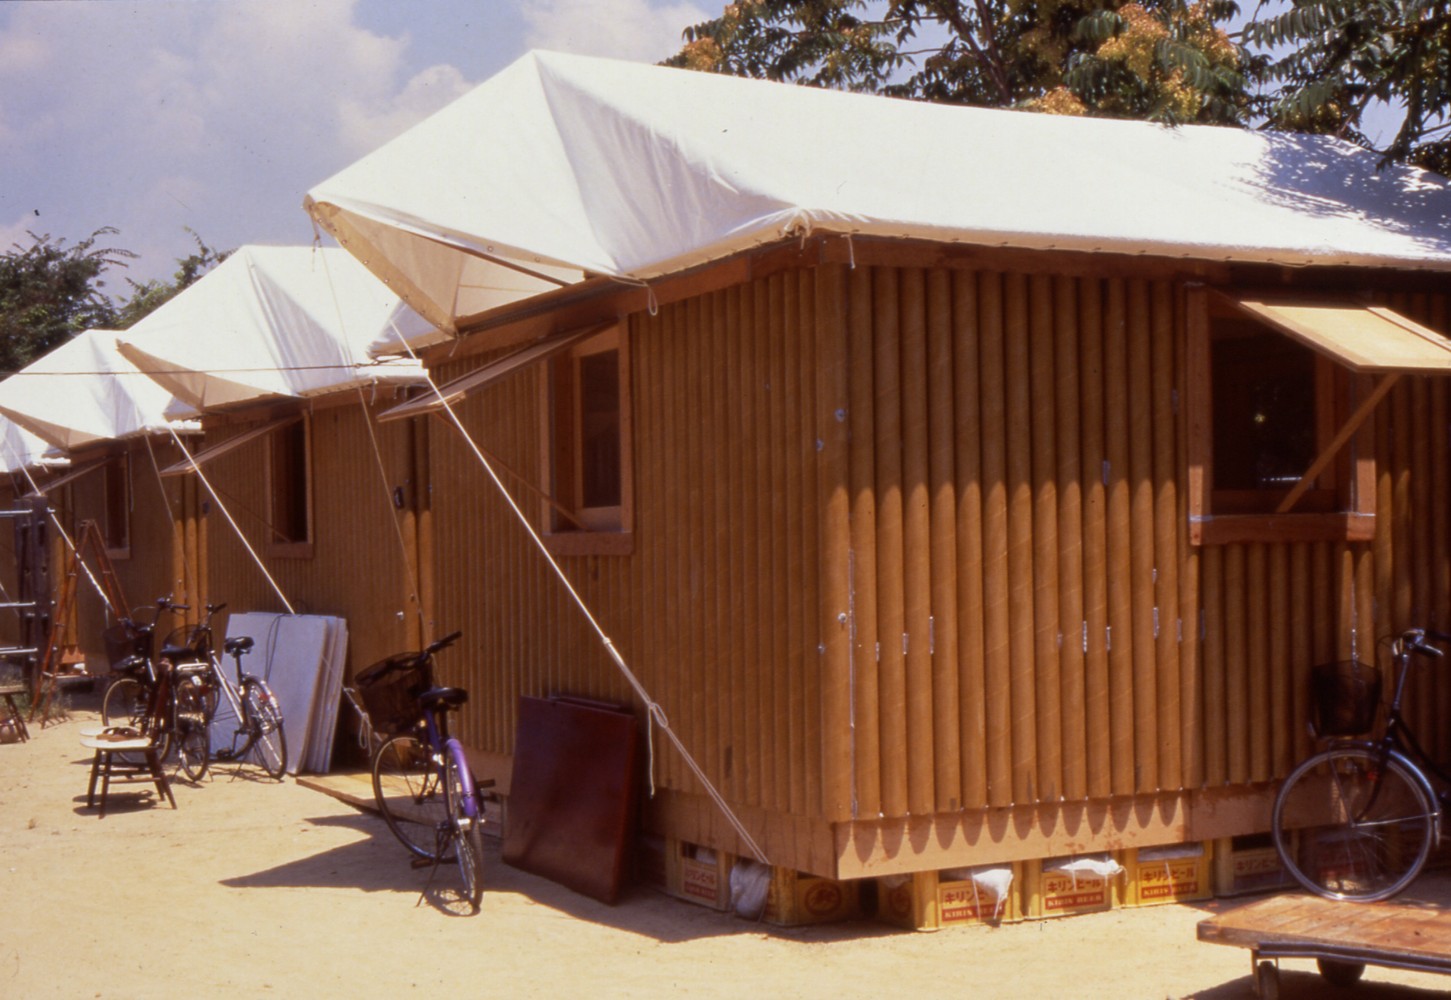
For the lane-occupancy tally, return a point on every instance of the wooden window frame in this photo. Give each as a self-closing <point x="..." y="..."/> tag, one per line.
<point x="290" y="548"/>
<point x="1346" y="477"/>
<point x="571" y="529"/>
<point x="116" y="476"/>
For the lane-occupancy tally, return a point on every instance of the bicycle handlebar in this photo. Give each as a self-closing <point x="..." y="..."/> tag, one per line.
<point x="438" y="645"/>
<point x="1414" y="640"/>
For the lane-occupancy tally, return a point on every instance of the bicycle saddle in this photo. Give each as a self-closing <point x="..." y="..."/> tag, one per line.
<point x="443" y="697"/>
<point x="238" y="644"/>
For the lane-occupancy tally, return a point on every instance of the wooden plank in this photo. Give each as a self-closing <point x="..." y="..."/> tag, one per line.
<point x="1391" y="929"/>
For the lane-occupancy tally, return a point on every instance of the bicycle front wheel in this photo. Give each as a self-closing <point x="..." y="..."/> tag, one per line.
<point x="194" y="748"/>
<point x="408" y="788"/>
<point x="125" y="703"/>
<point x="468" y="830"/>
<point x="1354" y="823"/>
<point x="264" y="727"/>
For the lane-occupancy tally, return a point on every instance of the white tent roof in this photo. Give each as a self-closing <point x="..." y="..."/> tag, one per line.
<point x="562" y="165"/>
<point x="275" y="322"/>
<point x="20" y="449"/>
<point x="84" y="391"/>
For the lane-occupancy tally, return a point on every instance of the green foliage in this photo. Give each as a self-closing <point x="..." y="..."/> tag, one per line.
<point x="1164" y="60"/>
<point x="149" y="296"/>
<point x="50" y="292"/>
<point x="1331" y="61"/>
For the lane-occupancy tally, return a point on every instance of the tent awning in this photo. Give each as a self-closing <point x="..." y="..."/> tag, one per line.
<point x="222" y="447"/>
<point x="1363" y="338"/>
<point x="452" y="392"/>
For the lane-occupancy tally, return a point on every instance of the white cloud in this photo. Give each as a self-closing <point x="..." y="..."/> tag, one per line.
<point x="625" y="29"/>
<point x="156" y="116"/>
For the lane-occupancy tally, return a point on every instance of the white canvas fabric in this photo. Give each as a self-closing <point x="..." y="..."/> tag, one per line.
<point x="561" y="166"/>
<point x="274" y="322"/>
<point x="20" y="449"/>
<point x="84" y="391"/>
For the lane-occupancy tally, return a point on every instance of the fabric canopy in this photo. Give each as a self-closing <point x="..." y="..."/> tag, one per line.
<point x="272" y="322"/>
<point x="84" y="391"/>
<point x="20" y="449"/>
<point x="563" y="166"/>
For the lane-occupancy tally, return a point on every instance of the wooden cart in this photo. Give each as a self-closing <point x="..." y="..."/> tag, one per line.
<point x="1342" y="937"/>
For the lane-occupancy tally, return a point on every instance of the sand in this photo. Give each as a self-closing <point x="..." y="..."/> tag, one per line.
<point x="252" y="888"/>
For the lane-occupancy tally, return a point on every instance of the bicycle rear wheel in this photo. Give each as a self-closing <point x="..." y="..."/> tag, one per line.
<point x="264" y="727"/>
<point x="408" y="788"/>
<point x="468" y="830"/>
<point x="1354" y="823"/>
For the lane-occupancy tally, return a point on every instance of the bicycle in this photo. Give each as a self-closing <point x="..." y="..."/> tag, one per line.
<point x="147" y="684"/>
<point x="422" y="783"/>
<point x="202" y="685"/>
<point x="1358" y="820"/>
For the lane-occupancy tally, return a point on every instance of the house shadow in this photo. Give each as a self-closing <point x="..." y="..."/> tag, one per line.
<point x="376" y="863"/>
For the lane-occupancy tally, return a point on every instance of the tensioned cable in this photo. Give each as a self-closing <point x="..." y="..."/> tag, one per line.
<point x="392" y="513"/>
<point x="342" y="345"/>
<point x="70" y="543"/>
<point x="655" y="713"/>
<point x="230" y="520"/>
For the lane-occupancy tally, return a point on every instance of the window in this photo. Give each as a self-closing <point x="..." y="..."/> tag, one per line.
<point x="116" y="519"/>
<point x="288" y="488"/>
<point x="1280" y="443"/>
<point x="588" y="447"/>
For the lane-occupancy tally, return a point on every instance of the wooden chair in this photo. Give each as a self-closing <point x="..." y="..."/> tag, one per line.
<point x="10" y="712"/>
<point x="131" y="754"/>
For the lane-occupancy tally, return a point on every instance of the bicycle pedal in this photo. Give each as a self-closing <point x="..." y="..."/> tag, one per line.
<point x="422" y="863"/>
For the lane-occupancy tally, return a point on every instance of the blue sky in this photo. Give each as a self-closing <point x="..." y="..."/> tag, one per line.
<point x="153" y="116"/>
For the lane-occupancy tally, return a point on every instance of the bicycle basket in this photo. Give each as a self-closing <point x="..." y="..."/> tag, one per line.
<point x="390" y="690"/>
<point x="1345" y="697"/>
<point x="124" y="641"/>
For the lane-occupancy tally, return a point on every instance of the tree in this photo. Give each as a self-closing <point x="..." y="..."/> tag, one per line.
<point x="1332" y="61"/>
<point x="1163" y="60"/>
<point x="50" y="292"/>
<point x="149" y="296"/>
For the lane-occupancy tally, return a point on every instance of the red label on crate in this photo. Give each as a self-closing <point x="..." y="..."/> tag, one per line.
<point x="964" y="904"/>
<point x="1159" y="881"/>
<point x="699" y="880"/>
<point x="822" y="898"/>
<point x="1062" y="892"/>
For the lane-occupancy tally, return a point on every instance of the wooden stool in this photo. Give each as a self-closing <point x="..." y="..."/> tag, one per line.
<point x="11" y="713"/>
<point x="104" y="765"/>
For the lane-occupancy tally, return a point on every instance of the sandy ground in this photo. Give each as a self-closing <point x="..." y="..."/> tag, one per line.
<point x="254" y="889"/>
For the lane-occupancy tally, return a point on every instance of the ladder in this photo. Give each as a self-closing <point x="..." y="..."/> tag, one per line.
<point x="88" y="537"/>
